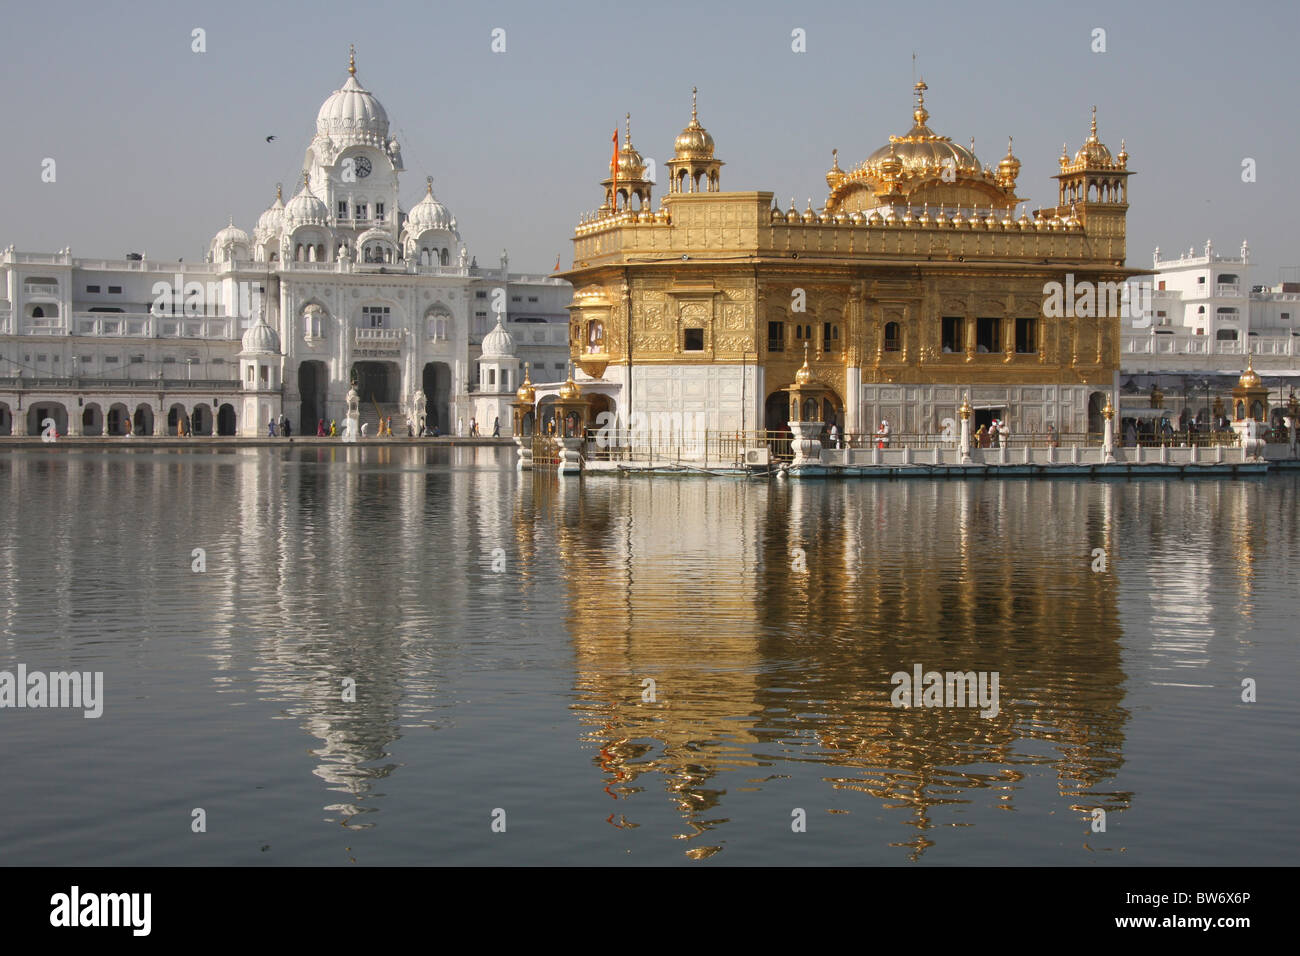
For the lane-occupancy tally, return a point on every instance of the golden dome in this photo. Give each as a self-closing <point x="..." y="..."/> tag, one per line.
<point x="1249" y="378"/>
<point x="1093" y="152"/>
<point x="526" y="394"/>
<point x="921" y="151"/>
<point x="693" y="142"/>
<point x="1009" y="168"/>
<point x="570" y="389"/>
<point x="804" y="376"/>
<point x="835" y="175"/>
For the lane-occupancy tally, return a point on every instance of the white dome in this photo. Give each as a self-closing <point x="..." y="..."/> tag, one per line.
<point x="306" y="208"/>
<point x="352" y="114"/>
<point x="231" y="233"/>
<point x="498" y="343"/>
<point x="261" y="339"/>
<point x="269" y="223"/>
<point x="428" y="214"/>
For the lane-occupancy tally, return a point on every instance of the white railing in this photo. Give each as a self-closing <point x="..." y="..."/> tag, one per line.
<point x="380" y="335"/>
<point x="51" y="325"/>
<point x="41" y="288"/>
<point x="1227" y="289"/>
<point x="196" y="328"/>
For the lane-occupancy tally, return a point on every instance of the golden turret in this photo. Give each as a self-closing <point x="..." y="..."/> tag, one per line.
<point x="527" y="394"/>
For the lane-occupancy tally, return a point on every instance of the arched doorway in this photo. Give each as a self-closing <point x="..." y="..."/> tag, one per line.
<point x="144" y="419"/>
<point x="43" y="410"/>
<point x="377" y="382"/>
<point x="312" y="380"/>
<point x="226" y="420"/>
<point x="776" y="412"/>
<point x="92" y="421"/>
<point x="436" y="382"/>
<point x="6" y="420"/>
<point x="201" y="420"/>
<point x="119" y="419"/>
<point x="175" y="416"/>
<point x="546" y="414"/>
<point x="1096" y="402"/>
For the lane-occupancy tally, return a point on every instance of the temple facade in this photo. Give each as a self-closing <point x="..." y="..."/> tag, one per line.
<point x="340" y="285"/>
<point x="920" y="280"/>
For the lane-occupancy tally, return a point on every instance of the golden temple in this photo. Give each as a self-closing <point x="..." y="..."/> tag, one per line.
<point x="915" y="283"/>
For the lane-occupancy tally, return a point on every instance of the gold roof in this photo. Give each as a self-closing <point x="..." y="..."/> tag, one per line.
<point x="631" y="167"/>
<point x="804" y="376"/>
<point x="921" y="150"/>
<point x="570" y="389"/>
<point x="693" y="142"/>
<point x="526" y="394"/>
<point x="1093" y="152"/>
<point x="1249" y="378"/>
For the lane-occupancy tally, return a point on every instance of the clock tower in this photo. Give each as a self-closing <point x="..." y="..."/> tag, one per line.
<point x="353" y="166"/>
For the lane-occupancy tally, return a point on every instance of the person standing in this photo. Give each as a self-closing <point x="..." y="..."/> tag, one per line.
<point x="496" y="427"/>
<point x="835" y="435"/>
<point x="334" y="431"/>
<point x="320" y="428"/>
<point x="270" y="428"/>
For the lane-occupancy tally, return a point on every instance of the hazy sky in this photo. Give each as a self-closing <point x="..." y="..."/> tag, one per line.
<point x="156" y="145"/>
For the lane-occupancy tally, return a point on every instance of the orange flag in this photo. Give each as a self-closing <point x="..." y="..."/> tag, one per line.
<point x="613" y="169"/>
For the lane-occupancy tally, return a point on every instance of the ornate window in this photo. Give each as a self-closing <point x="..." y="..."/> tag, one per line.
<point x="893" y="337"/>
<point x="953" y="334"/>
<point x="594" y="341"/>
<point x="1026" y="335"/>
<point x="776" y="336"/>
<point x="830" y="337"/>
<point x="313" y="323"/>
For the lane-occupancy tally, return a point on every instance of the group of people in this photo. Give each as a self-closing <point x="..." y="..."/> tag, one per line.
<point x="995" y="435"/>
<point x="279" y="427"/>
<point x="474" y="430"/>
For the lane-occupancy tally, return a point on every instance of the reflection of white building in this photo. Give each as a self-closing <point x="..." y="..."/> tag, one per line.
<point x="351" y="288"/>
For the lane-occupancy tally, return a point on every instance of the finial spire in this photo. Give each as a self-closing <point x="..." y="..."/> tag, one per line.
<point x="1094" y="125"/>
<point x="278" y="193"/>
<point x="352" y="60"/>
<point x="428" y="181"/>
<point x="694" y="116"/>
<point x="629" y="129"/>
<point x="306" y="179"/>
<point x="1008" y="145"/>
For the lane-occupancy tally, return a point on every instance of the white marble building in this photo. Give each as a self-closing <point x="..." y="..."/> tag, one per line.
<point x="350" y="286"/>
<point x="1205" y="318"/>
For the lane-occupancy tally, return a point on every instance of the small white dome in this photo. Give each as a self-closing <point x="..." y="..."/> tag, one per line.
<point x="269" y="223"/>
<point x="231" y="233"/>
<point x="498" y="344"/>
<point x="305" y="208"/>
<point x="428" y="214"/>
<point x="261" y="339"/>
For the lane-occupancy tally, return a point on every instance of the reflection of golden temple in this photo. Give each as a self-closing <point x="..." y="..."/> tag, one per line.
<point x="753" y="656"/>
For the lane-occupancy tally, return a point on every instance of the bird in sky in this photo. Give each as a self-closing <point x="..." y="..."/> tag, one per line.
<point x="269" y="138"/>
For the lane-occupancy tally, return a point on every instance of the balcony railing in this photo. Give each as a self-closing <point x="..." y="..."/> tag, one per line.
<point x="373" y="336"/>
<point x="1227" y="289"/>
<point x="84" y="382"/>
